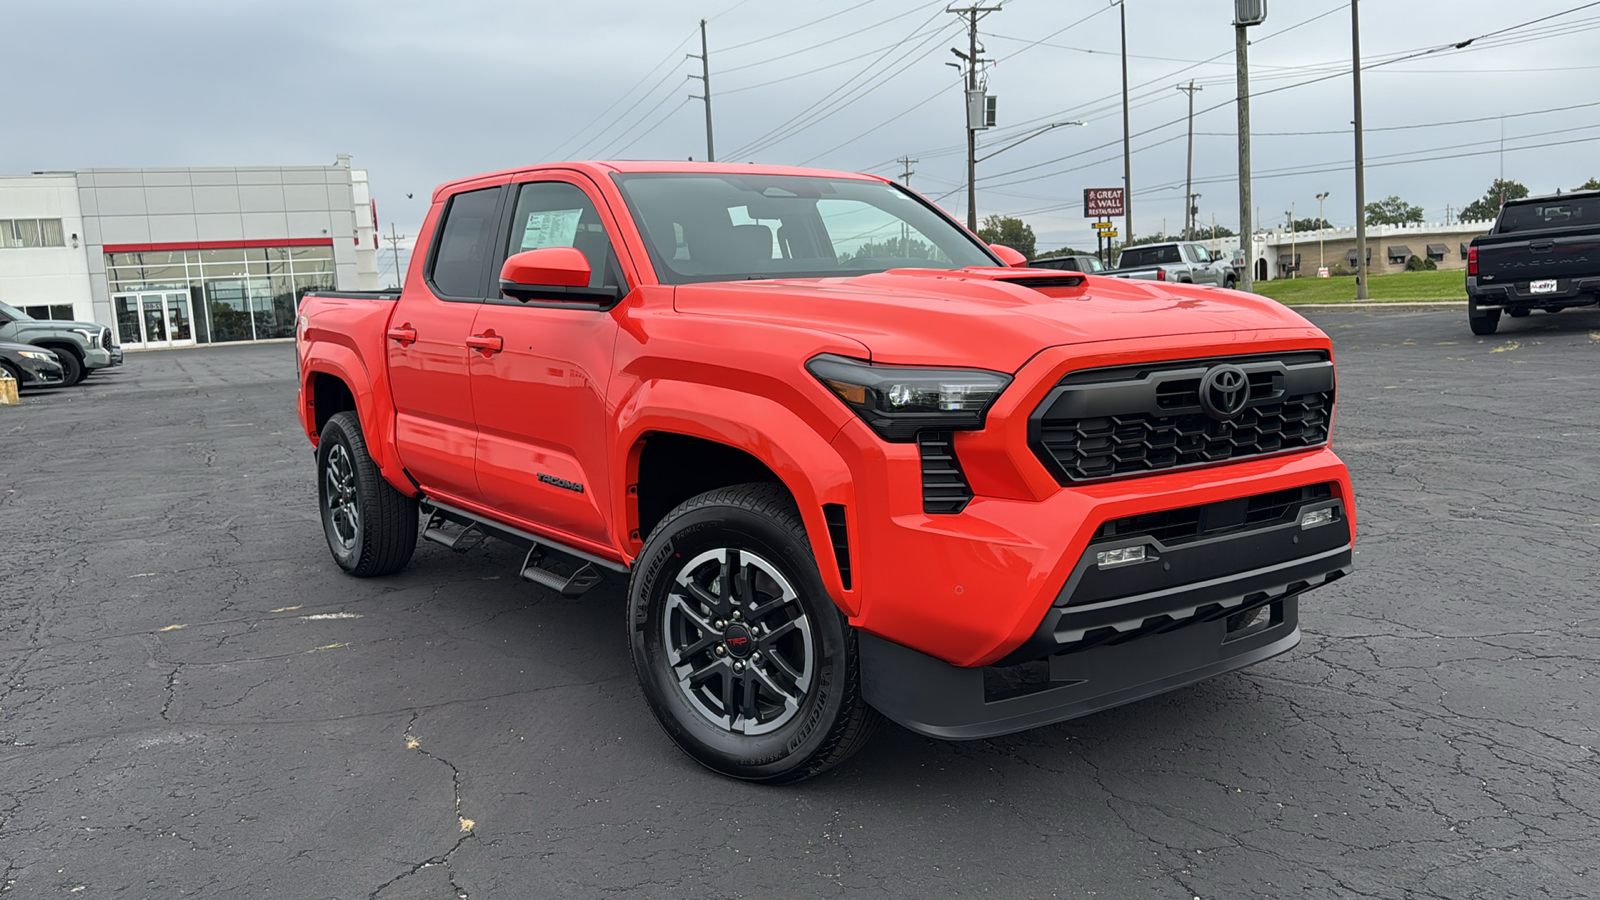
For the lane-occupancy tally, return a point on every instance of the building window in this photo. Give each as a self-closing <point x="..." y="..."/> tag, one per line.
<point x="1437" y="252"/>
<point x="238" y="294"/>
<point x="61" y="312"/>
<point x="17" y="233"/>
<point x="1399" y="254"/>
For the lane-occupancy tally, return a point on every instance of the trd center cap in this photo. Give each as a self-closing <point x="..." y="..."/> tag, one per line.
<point x="738" y="639"/>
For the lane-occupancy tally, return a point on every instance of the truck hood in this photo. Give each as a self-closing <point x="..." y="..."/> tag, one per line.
<point x="993" y="318"/>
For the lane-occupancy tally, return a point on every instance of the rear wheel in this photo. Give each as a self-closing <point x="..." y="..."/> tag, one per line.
<point x="1482" y="321"/>
<point x="744" y="658"/>
<point x="370" y="526"/>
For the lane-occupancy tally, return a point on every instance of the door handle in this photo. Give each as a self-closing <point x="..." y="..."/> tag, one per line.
<point x="405" y="334"/>
<point x="488" y="342"/>
<point x="1542" y="246"/>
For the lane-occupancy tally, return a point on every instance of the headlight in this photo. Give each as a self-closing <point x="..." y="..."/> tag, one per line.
<point x="45" y="355"/>
<point x="898" y="401"/>
<point x="93" y="337"/>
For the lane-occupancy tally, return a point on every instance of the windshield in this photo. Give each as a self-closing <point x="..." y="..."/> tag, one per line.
<point x="1149" y="256"/>
<point x="738" y="227"/>
<point x="16" y="315"/>
<point x="1548" y="215"/>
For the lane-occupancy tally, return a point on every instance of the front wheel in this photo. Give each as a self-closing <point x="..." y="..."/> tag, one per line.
<point x="744" y="658"/>
<point x="72" y="370"/>
<point x="370" y="526"/>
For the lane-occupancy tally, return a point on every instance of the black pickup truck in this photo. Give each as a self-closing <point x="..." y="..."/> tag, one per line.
<point x="1543" y="253"/>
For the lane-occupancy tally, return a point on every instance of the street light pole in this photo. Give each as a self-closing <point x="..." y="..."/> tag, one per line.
<point x="1246" y="14"/>
<point x="1127" y="150"/>
<point x="1361" y="155"/>
<point x="1322" y="228"/>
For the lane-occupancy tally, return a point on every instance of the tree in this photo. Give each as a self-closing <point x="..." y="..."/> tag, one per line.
<point x="1392" y="211"/>
<point x="1592" y="184"/>
<point x="1065" y="251"/>
<point x="1488" y="208"/>
<point x="1012" y="232"/>
<point x="1311" y="224"/>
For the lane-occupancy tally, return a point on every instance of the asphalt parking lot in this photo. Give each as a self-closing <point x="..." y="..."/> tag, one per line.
<point x="194" y="701"/>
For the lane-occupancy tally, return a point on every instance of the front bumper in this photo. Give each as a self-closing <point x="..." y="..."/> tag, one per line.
<point x="939" y="700"/>
<point x="1217" y="588"/>
<point x="38" y="373"/>
<point x="97" y="358"/>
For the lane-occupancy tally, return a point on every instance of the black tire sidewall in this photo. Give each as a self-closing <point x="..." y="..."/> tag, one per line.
<point x="72" y="370"/>
<point x="335" y="433"/>
<point x="761" y="757"/>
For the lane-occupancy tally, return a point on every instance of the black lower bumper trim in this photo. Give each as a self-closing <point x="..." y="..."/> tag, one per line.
<point x="934" y="698"/>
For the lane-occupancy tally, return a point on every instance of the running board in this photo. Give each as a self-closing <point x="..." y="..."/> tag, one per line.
<point x="575" y="585"/>
<point x="545" y="561"/>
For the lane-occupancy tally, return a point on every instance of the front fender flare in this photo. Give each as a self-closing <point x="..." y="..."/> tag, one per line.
<point x="803" y="460"/>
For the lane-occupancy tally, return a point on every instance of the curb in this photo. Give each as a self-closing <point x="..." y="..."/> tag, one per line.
<point x="1403" y="304"/>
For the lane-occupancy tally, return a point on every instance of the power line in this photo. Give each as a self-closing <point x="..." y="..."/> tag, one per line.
<point x="830" y="41"/>
<point x="798" y="27"/>
<point x="819" y="109"/>
<point x="557" y="151"/>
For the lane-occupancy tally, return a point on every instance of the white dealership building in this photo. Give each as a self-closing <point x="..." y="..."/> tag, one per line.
<point x="171" y="257"/>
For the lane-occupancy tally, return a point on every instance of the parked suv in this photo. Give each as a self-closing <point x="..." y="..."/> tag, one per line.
<point x="1183" y="262"/>
<point x="82" y="347"/>
<point x="843" y="476"/>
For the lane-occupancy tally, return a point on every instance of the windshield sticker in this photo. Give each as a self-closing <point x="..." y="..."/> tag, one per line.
<point x="552" y="228"/>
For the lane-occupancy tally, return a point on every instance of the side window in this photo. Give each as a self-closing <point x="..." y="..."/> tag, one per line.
<point x="558" y="214"/>
<point x="464" y="242"/>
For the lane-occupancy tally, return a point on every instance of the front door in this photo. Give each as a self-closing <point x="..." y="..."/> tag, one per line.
<point x="543" y="453"/>
<point x="152" y="319"/>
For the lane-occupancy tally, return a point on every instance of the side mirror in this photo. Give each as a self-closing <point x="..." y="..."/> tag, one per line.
<point x="1009" y="256"/>
<point x="546" y="267"/>
<point x="559" y="275"/>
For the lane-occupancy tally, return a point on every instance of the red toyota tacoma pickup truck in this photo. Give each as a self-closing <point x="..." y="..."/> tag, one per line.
<point x="851" y="461"/>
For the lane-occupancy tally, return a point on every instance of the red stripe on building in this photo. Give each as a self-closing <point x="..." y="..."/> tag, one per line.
<point x="218" y="245"/>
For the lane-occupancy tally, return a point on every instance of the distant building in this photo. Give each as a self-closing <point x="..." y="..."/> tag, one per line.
<point x="170" y="257"/>
<point x="1284" y="254"/>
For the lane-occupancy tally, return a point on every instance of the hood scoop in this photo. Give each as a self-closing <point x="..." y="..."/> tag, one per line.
<point x="1042" y="282"/>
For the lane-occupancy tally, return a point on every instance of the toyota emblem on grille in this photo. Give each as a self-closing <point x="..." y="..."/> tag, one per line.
<point x="1224" y="391"/>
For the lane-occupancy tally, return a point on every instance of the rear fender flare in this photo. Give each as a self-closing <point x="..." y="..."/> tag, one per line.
<point x="803" y="460"/>
<point x="341" y="362"/>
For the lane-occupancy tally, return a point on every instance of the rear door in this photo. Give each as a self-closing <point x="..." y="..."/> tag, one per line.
<point x="543" y="446"/>
<point x="435" y="432"/>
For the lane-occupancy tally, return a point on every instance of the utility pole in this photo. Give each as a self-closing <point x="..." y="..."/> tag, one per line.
<point x="705" y="82"/>
<point x="906" y="163"/>
<point x="1247" y="13"/>
<point x="1361" y="155"/>
<point x="1188" y="181"/>
<point x="1127" y="149"/>
<point x="972" y="61"/>
<point x="394" y="238"/>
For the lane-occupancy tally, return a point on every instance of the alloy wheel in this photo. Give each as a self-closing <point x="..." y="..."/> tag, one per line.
<point x="341" y="498"/>
<point x="738" y="640"/>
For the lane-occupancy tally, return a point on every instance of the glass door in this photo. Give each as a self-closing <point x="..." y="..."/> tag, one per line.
<point x="180" y="332"/>
<point x="154" y="319"/>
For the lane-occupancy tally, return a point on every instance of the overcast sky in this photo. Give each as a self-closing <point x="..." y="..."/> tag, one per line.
<point x="421" y="93"/>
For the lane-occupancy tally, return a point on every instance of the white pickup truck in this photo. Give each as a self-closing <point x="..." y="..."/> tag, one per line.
<point x="1180" y="261"/>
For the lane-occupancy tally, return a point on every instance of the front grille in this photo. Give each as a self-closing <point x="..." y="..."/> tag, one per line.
<point x="1132" y="420"/>
<point x="1176" y="527"/>
<point x="944" y="488"/>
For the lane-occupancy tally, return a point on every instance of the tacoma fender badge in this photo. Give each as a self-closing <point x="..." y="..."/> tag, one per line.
<point x="561" y="483"/>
